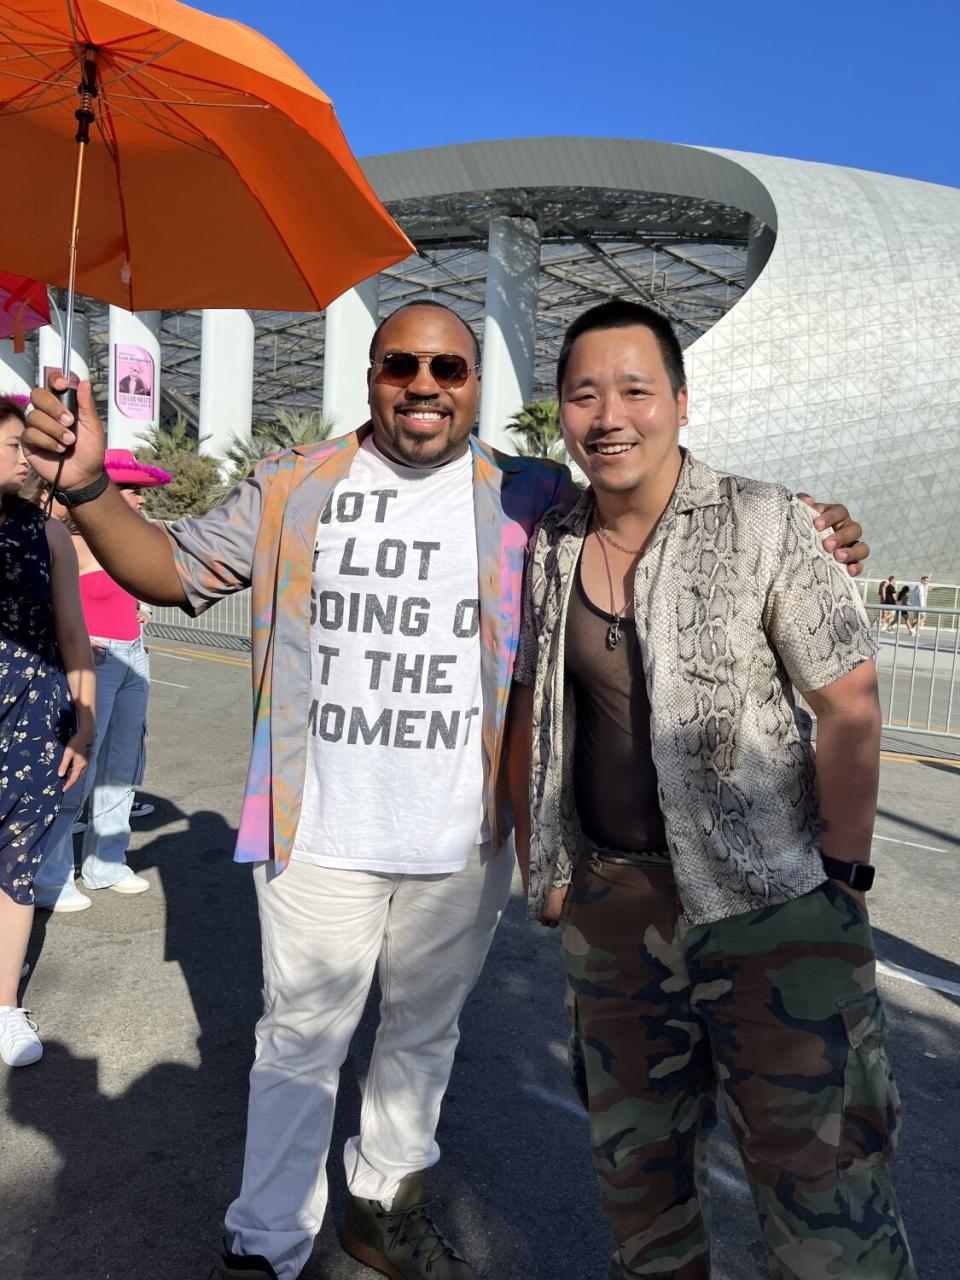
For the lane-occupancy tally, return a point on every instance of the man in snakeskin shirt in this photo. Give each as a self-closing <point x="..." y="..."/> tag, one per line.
<point x="707" y="868"/>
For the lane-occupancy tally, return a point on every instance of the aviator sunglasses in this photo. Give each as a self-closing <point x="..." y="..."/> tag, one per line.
<point x="399" y="368"/>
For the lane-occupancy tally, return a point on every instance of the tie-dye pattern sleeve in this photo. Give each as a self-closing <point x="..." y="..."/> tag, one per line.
<point x="214" y="552"/>
<point x="525" y="667"/>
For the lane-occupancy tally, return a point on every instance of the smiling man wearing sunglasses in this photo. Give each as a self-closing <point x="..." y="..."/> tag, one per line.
<point x="386" y="569"/>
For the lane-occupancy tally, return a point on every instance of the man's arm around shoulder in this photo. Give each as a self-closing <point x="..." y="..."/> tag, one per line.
<point x="848" y="763"/>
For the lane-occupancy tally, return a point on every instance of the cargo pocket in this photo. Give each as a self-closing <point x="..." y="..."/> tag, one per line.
<point x="871" y="1101"/>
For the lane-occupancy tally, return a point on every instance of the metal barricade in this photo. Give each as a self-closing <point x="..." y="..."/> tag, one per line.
<point x="918" y="668"/>
<point x="226" y="624"/>
<point x="918" y="671"/>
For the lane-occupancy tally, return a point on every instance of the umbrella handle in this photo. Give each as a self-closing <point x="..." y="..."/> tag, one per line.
<point x="68" y="399"/>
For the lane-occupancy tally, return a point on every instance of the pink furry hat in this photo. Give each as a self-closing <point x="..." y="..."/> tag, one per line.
<point x="123" y="468"/>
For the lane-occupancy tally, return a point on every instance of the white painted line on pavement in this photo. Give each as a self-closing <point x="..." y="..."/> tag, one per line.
<point x="165" y="653"/>
<point x="169" y="684"/>
<point x="930" y="848"/>
<point x="555" y="1100"/>
<point x="920" y="979"/>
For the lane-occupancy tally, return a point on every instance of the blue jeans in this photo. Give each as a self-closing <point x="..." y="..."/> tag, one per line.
<point x="114" y="771"/>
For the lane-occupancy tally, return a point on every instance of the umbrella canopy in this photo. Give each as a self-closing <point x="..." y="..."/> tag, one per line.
<point x="217" y="174"/>
<point x="23" y="305"/>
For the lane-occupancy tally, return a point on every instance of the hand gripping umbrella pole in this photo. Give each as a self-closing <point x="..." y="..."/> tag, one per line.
<point x="85" y="117"/>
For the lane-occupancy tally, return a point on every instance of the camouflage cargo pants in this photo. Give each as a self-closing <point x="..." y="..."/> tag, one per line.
<point x="777" y="1009"/>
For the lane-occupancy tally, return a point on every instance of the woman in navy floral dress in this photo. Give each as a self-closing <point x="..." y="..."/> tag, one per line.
<point x="46" y="717"/>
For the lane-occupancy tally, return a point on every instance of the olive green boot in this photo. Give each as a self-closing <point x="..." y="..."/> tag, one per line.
<point x="401" y="1242"/>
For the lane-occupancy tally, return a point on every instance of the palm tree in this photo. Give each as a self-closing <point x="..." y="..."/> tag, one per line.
<point x="195" y="486"/>
<point x="287" y="429"/>
<point x="536" y="430"/>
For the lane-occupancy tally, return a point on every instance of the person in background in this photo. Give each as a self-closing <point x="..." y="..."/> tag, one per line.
<point x="920" y="595"/>
<point x="900" y="613"/>
<point x="888" y="598"/>
<point x="123" y="687"/>
<point x="46" y="713"/>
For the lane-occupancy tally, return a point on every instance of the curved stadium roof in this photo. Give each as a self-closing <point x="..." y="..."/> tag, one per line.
<point x="820" y="307"/>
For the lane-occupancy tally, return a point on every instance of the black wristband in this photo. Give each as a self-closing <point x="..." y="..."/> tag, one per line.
<point x="858" y="875"/>
<point x="77" y="497"/>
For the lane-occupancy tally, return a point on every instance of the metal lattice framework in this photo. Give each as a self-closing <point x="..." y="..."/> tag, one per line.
<point x="685" y="256"/>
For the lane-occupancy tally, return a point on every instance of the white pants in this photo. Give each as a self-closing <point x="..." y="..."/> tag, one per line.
<point x="323" y="933"/>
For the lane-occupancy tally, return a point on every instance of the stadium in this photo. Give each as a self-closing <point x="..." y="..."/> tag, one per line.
<point x="819" y="307"/>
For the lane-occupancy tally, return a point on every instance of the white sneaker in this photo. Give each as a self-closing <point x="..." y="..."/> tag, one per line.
<point x="131" y="884"/>
<point x="70" y="899"/>
<point x="141" y="809"/>
<point x="19" y="1043"/>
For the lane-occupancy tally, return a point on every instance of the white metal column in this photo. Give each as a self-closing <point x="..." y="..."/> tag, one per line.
<point x="18" y="370"/>
<point x="226" y="380"/>
<point x="349" y="324"/>
<point x="50" y="349"/>
<point x="134" y="376"/>
<point x="509" y="331"/>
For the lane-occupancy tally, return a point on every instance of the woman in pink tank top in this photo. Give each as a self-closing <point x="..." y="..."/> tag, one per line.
<point x="123" y="687"/>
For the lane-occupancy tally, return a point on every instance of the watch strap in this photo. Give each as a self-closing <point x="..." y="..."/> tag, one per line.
<point x="77" y="497"/>
<point x="858" y="875"/>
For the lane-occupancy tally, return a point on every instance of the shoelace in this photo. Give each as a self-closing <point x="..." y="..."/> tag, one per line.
<point x="15" y="1026"/>
<point x="409" y="1221"/>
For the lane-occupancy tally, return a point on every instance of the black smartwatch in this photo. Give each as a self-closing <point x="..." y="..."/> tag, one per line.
<point x="77" y="497"/>
<point x="858" y="875"/>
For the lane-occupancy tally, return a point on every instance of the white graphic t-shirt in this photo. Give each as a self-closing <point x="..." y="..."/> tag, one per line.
<point x="394" y="778"/>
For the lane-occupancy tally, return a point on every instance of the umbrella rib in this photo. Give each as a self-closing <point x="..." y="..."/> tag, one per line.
<point x="210" y="149"/>
<point x="73" y="28"/>
<point x="140" y="66"/>
<point x="178" y="102"/>
<point x="267" y="214"/>
<point x="186" y="100"/>
<point x="29" y="52"/>
<point x="56" y="73"/>
<point x="106" y="127"/>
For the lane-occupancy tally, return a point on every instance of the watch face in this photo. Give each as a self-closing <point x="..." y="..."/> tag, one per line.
<point x="864" y="877"/>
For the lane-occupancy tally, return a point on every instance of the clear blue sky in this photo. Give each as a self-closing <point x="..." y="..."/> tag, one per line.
<point x="874" y="85"/>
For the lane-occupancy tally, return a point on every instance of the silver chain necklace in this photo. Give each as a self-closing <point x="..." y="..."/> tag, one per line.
<point x="613" y="631"/>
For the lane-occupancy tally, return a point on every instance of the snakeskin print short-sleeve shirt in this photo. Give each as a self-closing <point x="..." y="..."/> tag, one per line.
<point x="736" y="605"/>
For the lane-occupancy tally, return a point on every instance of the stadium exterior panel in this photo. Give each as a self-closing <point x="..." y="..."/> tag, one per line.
<point x="835" y="364"/>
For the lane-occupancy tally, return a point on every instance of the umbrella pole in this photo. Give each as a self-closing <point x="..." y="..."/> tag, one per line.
<point x="85" y="117"/>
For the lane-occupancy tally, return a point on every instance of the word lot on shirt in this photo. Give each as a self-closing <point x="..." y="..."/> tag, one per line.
<point x="395" y="769"/>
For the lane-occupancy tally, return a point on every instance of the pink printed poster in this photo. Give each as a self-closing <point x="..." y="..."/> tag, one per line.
<point x="133" y="378"/>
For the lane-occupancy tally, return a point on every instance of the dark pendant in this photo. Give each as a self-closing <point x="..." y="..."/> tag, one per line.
<point x="613" y="634"/>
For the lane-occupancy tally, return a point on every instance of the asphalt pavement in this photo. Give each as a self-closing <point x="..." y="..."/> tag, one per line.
<point x="121" y="1149"/>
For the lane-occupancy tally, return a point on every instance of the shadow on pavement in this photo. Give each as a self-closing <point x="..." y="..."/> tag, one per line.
<point x="145" y="1176"/>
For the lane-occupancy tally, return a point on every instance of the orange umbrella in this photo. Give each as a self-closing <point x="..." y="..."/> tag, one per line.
<point x="217" y="174"/>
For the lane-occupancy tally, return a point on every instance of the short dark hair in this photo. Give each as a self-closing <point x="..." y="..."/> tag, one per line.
<point x="621" y="314"/>
<point x="11" y="407"/>
<point x="424" y="302"/>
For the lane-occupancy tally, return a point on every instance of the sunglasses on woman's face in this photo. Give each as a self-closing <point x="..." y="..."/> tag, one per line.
<point x="399" y="368"/>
